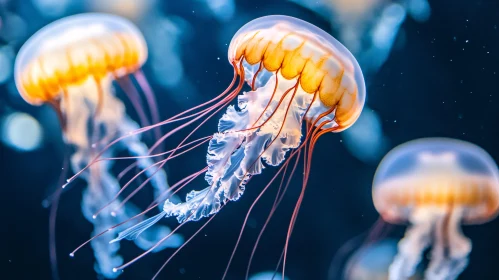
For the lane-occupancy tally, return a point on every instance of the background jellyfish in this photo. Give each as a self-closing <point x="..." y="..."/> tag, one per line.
<point x="267" y="275"/>
<point x="372" y="262"/>
<point x="70" y="65"/>
<point x="435" y="185"/>
<point x="368" y="28"/>
<point x="298" y="75"/>
<point x="222" y="10"/>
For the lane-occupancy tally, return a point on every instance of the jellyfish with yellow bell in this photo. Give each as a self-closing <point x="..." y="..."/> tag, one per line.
<point x="435" y="185"/>
<point x="302" y="84"/>
<point x="71" y="64"/>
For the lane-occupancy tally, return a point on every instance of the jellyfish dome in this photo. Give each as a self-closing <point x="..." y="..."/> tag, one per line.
<point x="300" y="50"/>
<point x="435" y="185"/>
<point x="69" y="51"/>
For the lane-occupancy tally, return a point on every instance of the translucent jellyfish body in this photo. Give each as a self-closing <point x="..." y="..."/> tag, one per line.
<point x="435" y="185"/>
<point x="70" y="64"/>
<point x="372" y="262"/>
<point x="298" y="76"/>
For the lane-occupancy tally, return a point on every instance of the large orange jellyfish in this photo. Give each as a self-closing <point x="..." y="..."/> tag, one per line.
<point x="299" y="76"/>
<point x="71" y="64"/>
<point x="435" y="185"/>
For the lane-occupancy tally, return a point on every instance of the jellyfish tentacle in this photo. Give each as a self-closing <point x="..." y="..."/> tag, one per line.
<point x="178" y="186"/>
<point x="156" y="245"/>
<point x="313" y="134"/>
<point x="208" y="110"/>
<point x="260" y="195"/>
<point x="133" y="95"/>
<point x="182" y="246"/>
<point x="459" y="245"/>
<point x="410" y="249"/>
<point x="150" y="99"/>
<point x="131" y="233"/>
<point x="93" y="197"/>
<point x="141" y="130"/>
<point x="301" y="117"/>
<point x="157" y="176"/>
<point x="437" y="267"/>
<point x="449" y="236"/>
<point x="54" y="205"/>
<point x="277" y="202"/>
<point x="256" y="75"/>
<point x="216" y="108"/>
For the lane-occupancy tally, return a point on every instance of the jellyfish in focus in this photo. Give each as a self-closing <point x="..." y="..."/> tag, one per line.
<point x="435" y="185"/>
<point x="368" y="28"/>
<point x="371" y="262"/>
<point x="299" y="76"/>
<point x="70" y="64"/>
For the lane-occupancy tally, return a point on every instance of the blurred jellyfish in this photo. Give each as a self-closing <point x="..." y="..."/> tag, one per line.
<point x="435" y="185"/>
<point x="365" y="139"/>
<point x="131" y="9"/>
<point x="70" y="64"/>
<point x="299" y="76"/>
<point x="21" y="132"/>
<point x="223" y="10"/>
<point x="267" y="275"/>
<point x="368" y="28"/>
<point x="371" y="262"/>
<point x="165" y="36"/>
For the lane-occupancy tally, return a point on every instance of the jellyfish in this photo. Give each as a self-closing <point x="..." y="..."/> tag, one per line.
<point x="70" y="64"/>
<point x="371" y="262"/>
<point x="298" y="76"/>
<point x="435" y="185"/>
<point x="267" y="275"/>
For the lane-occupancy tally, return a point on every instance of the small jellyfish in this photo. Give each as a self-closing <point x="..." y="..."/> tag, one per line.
<point x="267" y="275"/>
<point x="70" y="64"/>
<point x="371" y="262"/>
<point x="435" y="185"/>
<point x="299" y="76"/>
